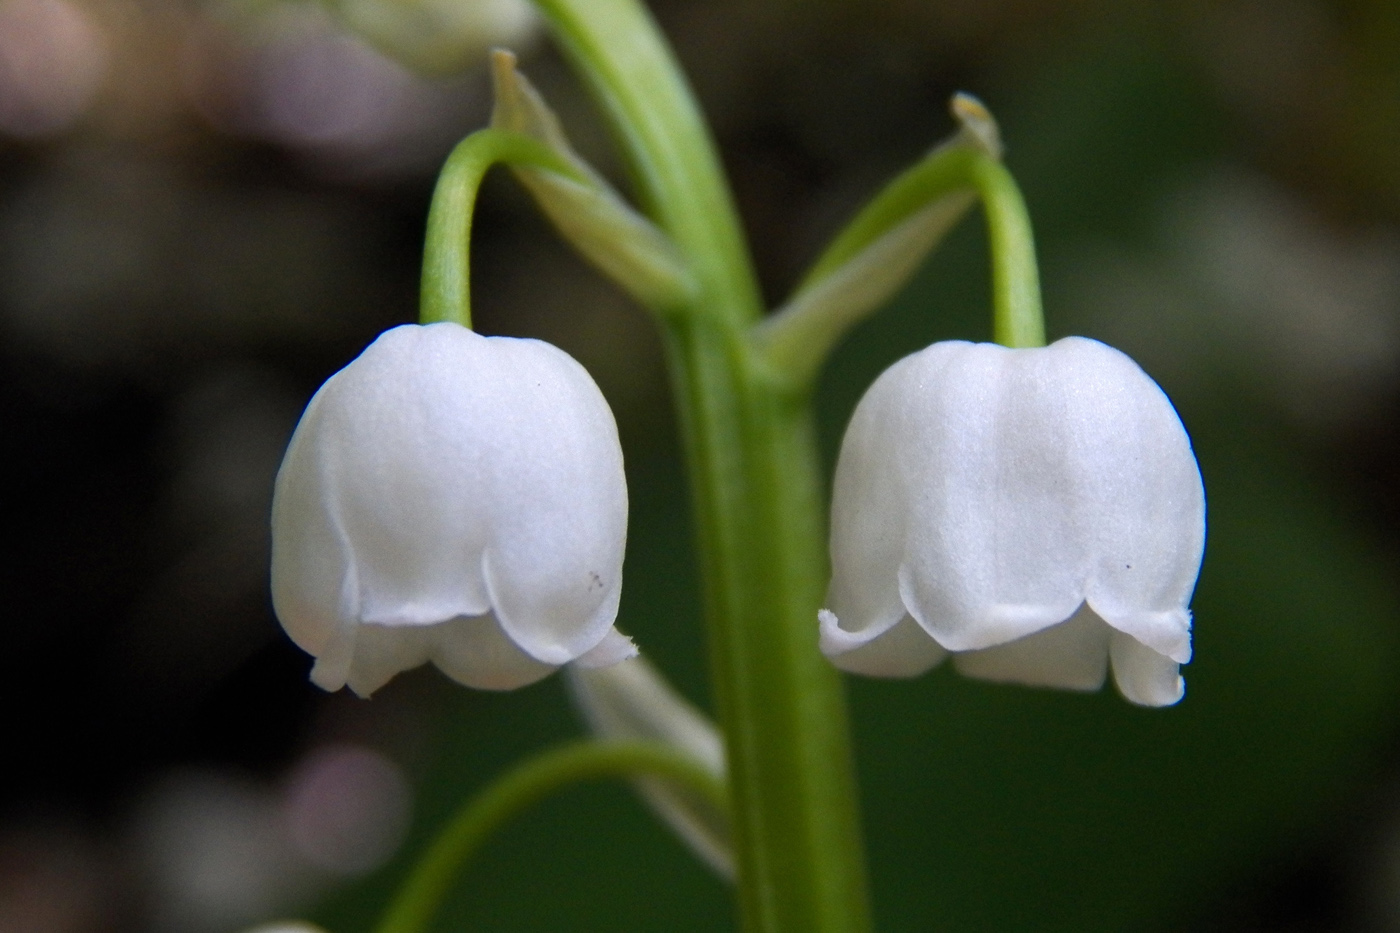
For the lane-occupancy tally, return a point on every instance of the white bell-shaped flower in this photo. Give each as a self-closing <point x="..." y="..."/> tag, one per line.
<point x="1037" y="513"/>
<point x="452" y="498"/>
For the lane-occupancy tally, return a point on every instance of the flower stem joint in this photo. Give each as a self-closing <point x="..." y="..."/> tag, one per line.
<point x="1037" y="513"/>
<point x="452" y="498"/>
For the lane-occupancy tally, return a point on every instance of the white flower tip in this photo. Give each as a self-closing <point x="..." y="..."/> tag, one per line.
<point x="326" y="676"/>
<point x="1167" y="692"/>
<point x="833" y="637"/>
<point x="613" y="649"/>
<point x="332" y="668"/>
<point x="1144" y="676"/>
<point x="1167" y="632"/>
<point x="902" y="650"/>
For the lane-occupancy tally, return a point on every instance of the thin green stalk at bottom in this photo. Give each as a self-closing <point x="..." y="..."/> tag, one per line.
<point x="419" y="898"/>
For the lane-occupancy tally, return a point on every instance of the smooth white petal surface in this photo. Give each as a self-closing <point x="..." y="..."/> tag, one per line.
<point x="1144" y="676"/>
<point x="1072" y="655"/>
<point x="477" y="653"/>
<point x="992" y="494"/>
<point x="1143" y="490"/>
<point x="381" y="651"/>
<point x="902" y="650"/>
<point x="472" y="485"/>
<point x="869" y="518"/>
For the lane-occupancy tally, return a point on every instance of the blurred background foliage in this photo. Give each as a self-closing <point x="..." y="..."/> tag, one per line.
<point x="205" y="209"/>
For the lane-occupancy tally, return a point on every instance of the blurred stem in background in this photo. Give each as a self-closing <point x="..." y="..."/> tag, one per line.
<point x="416" y="902"/>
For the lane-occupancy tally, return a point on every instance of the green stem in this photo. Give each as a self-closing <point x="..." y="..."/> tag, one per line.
<point x="445" y="290"/>
<point x="943" y="172"/>
<point x="635" y="78"/>
<point x="422" y="894"/>
<point x="1017" y="317"/>
<point x="759" y="505"/>
<point x="916" y="207"/>
<point x="758" y="499"/>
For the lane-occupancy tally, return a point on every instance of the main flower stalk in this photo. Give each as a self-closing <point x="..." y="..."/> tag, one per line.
<point x="757" y="494"/>
<point x="757" y="497"/>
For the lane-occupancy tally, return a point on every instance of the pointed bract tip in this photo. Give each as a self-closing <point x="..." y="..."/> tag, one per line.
<point x="977" y="121"/>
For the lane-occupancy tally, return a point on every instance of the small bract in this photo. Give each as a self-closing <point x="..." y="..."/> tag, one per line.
<point x="452" y="498"/>
<point x="1036" y="512"/>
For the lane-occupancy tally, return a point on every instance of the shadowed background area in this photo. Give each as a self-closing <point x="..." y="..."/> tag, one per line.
<point x="207" y="208"/>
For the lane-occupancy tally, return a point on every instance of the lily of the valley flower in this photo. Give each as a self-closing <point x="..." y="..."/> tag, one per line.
<point x="1036" y="512"/>
<point x="452" y="498"/>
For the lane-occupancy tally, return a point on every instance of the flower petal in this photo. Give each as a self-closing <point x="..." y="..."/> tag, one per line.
<point x="475" y="652"/>
<point x="557" y="504"/>
<point x="1072" y="655"/>
<point x="902" y="650"/>
<point x="867" y="526"/>
<point x="613" y="649"/>
<point x="1148" y="504"/>
<point x="1143" y="676"/>
<point x="382" y="464"/>
<point x="995" y="543"/>
<point x="333" y="659"/>
<point x="381" y="652"/>
<point x="311" y="562"/>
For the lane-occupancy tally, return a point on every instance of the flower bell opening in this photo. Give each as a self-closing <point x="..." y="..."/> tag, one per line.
<point x="1037" y="513"/>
